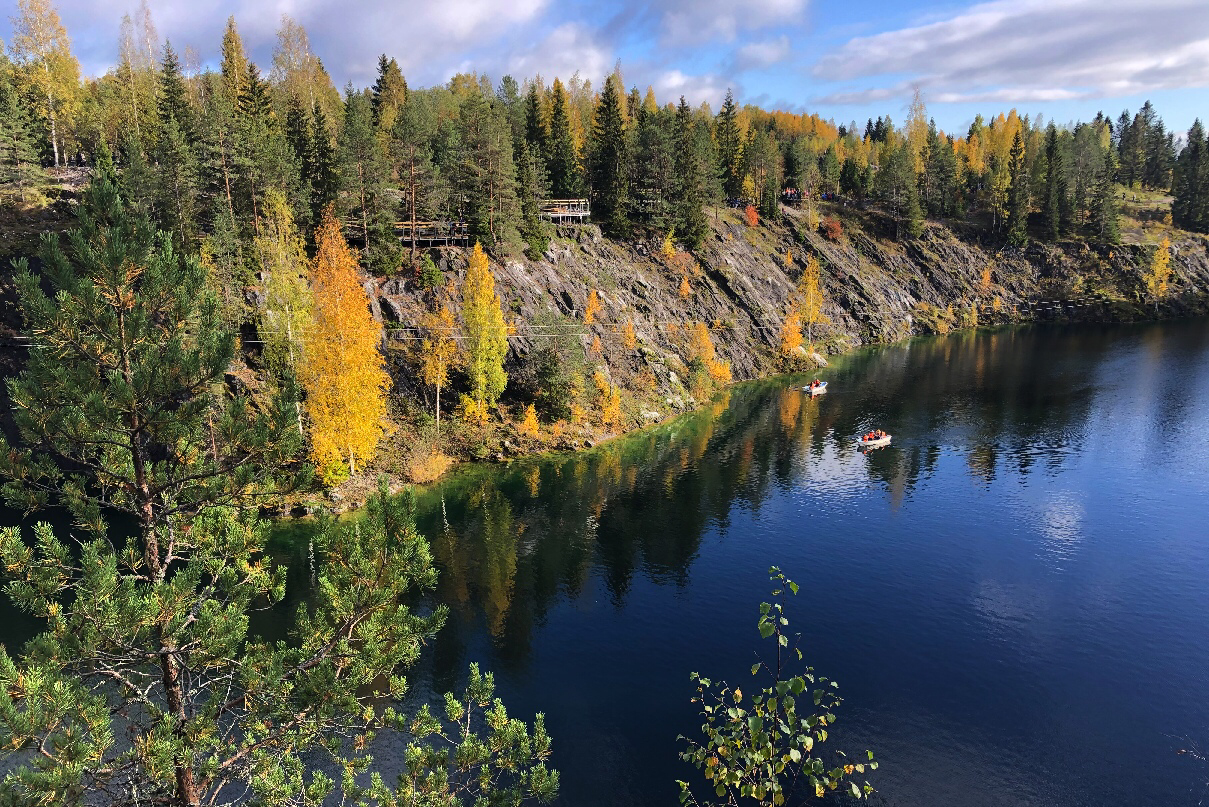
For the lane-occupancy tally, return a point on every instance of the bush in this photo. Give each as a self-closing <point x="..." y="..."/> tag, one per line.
<point x="430" y="275"/>
<point x="831" y="228"/>
<point x="752" y="216"/>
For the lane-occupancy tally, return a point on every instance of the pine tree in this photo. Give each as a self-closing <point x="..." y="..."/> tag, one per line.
<point x="486" y="173"/>
<point x="1018" y="194"/>
<point x="363" y="169"/>
<point x="344" y="373"/>
<point x="389" y="94"/>
<point x="145" y="683"/>
<point x="411" y="153"/>
<point x="607" y="162"/>
<point x="729" y="147"/>
<point x="651" y="167"/>
<point x="176" y="182"/>
<point x="486" y="337"/>
<point x="829" y="170"/>
<point x="561" y="165"/>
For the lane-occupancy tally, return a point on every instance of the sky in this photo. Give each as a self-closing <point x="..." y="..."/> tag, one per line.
<point x="847" y="60"/>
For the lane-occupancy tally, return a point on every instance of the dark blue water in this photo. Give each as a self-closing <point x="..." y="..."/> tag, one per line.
<point x="1014" y="596"/>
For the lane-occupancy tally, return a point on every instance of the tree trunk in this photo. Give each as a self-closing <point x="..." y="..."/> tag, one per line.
<point x="364" y="222"/>
<point x="413" y="216"/>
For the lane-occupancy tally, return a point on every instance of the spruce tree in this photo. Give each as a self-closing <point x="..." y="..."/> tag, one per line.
<point x="1104" y="213"/>
<point x="21" y="174"/>
<point x="172" y="100"/>
<point x="651" y="167"/>
<point x="537" y="133"/>
<point x="729" y="147"/>
<point x="1054" y="202"/>
<point x="1018" y="194"/>
<point x="607" y="162"/>
<point x="1190" y="205"/>
<point x="561" y="164"/>
<point x="895" y="186"/>
<point x="692" y="190"/>
<point x="322" y="168"/>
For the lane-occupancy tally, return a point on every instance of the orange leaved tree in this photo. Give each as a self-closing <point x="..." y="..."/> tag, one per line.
<point x="344" y="376"/>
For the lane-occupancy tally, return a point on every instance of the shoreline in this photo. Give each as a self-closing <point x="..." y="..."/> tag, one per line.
<point x="348" y="502"/>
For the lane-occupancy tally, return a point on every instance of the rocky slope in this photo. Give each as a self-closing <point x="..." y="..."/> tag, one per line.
<point x="877" y="290"/>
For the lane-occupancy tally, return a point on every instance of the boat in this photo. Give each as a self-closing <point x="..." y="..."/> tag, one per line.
<point x="815" y="389"/>
<point x="876" y="442"/>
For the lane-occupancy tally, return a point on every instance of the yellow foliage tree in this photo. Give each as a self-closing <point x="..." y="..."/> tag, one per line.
<point x="529" y="426"/>
<point x="685" y="289"/>
<point x="791" y="332"/>
<point x="591" y="308"/>
<point x="1159" y="276"/>
<point x="439" y="351"/>
<point x="701" y="347"/>
<point x="344" y="374"/>
<point x="629" y="339"/>
<point x="810" y="298"/>
<point x="486" y="335"/>
<point x="41" y="49"/>
<point x="286" y="316"/>
<point x="609" y="401"/>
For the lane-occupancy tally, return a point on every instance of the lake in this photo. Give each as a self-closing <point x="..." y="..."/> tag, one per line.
<point x="1013" y="595"/>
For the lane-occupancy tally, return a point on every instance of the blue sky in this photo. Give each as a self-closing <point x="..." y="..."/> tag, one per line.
<point x="1063" y="59"/>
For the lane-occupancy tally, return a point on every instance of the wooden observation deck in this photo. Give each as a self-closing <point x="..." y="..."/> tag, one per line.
<point x="565" y="211"/>
<point x="433" y="233"/>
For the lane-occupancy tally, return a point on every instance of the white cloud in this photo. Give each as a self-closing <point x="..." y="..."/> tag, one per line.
<point x="671" y="84"/>
<point x="687" y="22"/>
<point x="568" y="48"/>
<point x="425" y="37"/>
<point x="1033" y="50"/>
<point x="758" y="55"/>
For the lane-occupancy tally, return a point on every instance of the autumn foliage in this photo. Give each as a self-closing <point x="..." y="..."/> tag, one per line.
<point x="591" y="308"/>
<point x="751" y="216"/>
<point x="344" y="375"/>
<point x="831" y="228"/>
<point x="486" y="336"/>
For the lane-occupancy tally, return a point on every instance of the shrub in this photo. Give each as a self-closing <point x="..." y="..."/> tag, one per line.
<point x="831" y="228"/>
<point x="751" y="215"/>
<point x="430" y="275"/>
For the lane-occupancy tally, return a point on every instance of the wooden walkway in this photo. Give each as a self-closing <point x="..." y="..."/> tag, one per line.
<point x="434" y="233"/>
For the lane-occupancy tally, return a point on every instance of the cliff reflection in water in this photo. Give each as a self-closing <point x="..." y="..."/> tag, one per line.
<point x="512" y="540"/>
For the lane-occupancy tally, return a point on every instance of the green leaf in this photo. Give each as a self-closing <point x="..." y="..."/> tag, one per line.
<point x="766" y="630"/>
<point x="793" y="587"/>
<point x="795" y="755"/>
<point x="755" y="668"/>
